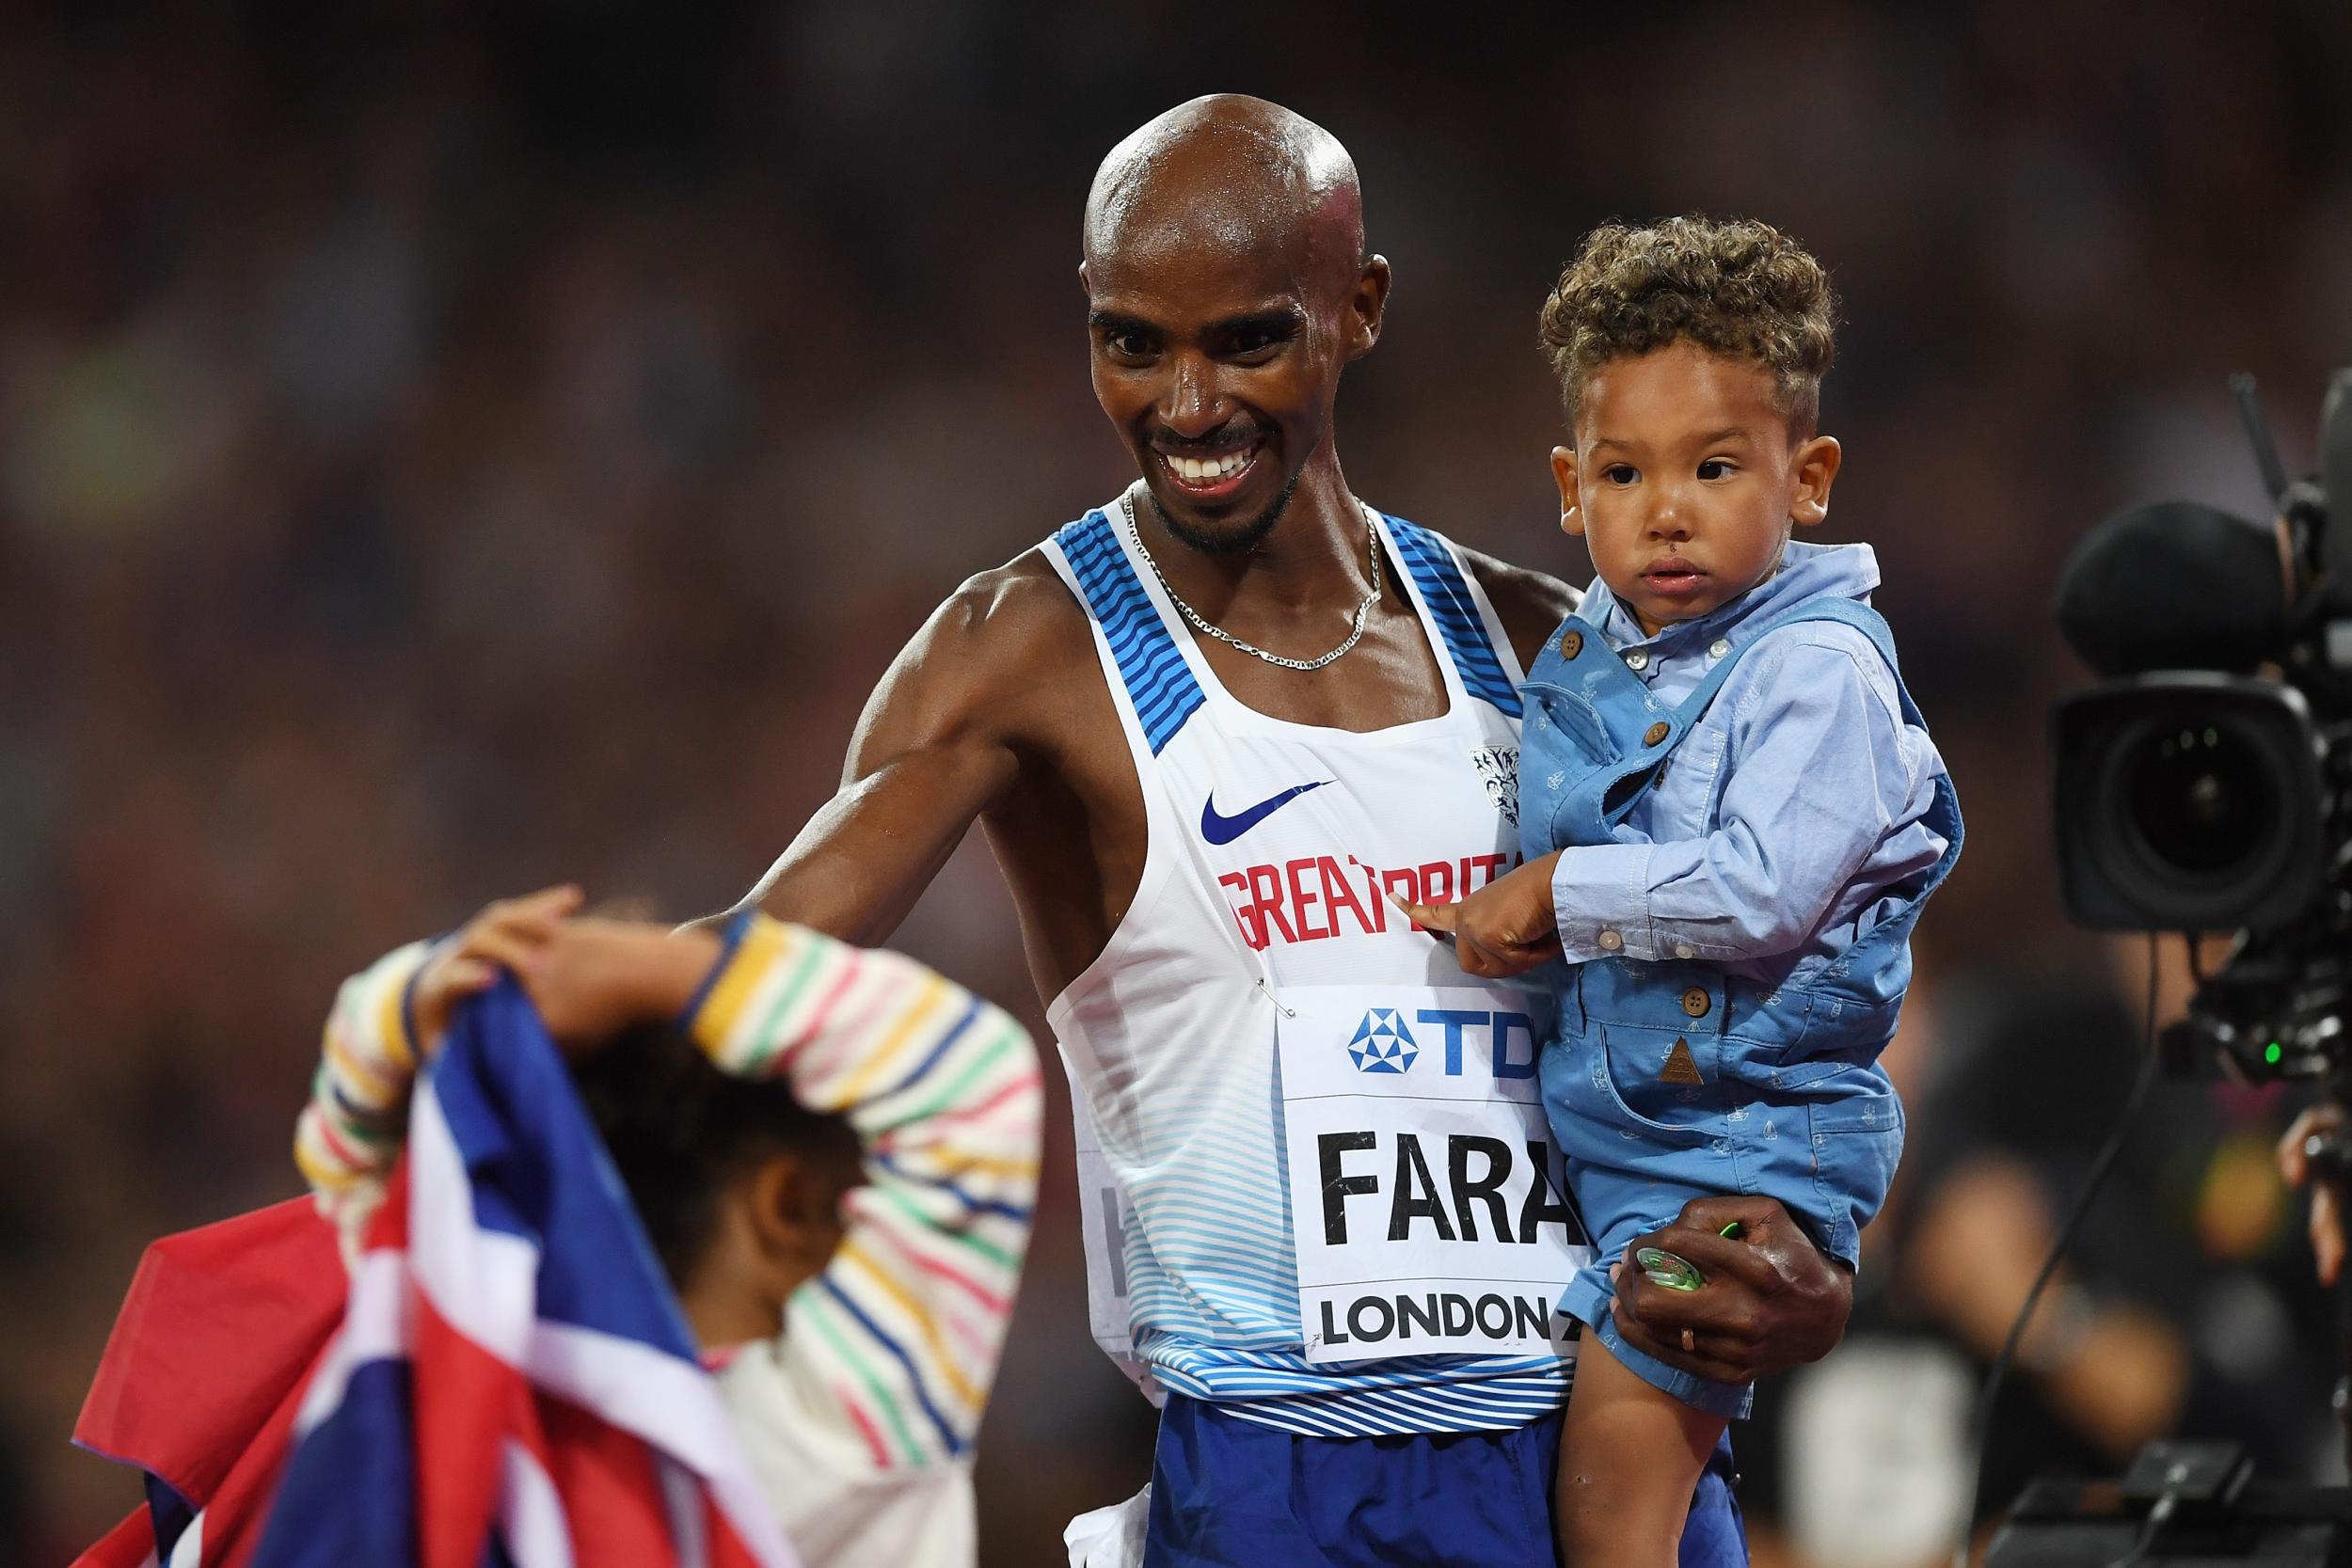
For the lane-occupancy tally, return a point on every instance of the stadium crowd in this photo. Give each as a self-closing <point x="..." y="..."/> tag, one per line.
<point x="443" y="450"/>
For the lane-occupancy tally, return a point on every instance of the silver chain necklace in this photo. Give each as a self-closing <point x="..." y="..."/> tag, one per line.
<point x="1356" y="632"/>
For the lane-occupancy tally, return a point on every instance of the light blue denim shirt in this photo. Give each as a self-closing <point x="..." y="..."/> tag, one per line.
<point x="1773" y="836"/>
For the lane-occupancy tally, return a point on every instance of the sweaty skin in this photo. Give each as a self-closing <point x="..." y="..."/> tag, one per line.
<point x="1226" y="287"/>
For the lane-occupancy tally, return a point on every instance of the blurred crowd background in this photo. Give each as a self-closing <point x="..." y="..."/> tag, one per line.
<point x="446" y="450"/>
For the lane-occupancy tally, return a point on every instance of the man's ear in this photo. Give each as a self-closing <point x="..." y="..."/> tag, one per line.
<point x="1571" y="509"/>
<point x="1367" y="305"/>
<point x="1816" y="465"/>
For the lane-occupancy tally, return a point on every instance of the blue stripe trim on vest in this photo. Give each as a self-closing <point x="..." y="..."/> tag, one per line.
<point x="1439" y="577"/>
<point x="1160" y="685"/>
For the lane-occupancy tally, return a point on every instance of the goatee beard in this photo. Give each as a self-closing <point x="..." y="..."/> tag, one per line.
<point x="1238" y="543"/>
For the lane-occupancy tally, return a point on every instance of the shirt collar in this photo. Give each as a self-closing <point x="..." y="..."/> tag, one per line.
<point x="1806" y="571"/>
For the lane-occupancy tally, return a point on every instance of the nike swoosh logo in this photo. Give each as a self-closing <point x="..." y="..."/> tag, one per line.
<point x="1224" y="829"/>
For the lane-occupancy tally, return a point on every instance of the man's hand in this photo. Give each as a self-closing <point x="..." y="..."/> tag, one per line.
<point x="594" y="979"/>
<point x="1772" y="1300"/>
<point x="2327" y="1221"/>
<point x="1506" y="927"/>
<point x="508" y="934"/>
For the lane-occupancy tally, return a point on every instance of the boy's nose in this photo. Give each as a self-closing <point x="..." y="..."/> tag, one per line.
<point x="1667" y="523"/>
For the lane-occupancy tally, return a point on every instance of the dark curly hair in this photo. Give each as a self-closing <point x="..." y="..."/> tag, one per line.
<point x="1732" y="286"/>
<point x="680" y="1130"/>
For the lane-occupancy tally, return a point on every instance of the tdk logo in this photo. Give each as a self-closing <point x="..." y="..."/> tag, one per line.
<point x="1383" y="1042"/>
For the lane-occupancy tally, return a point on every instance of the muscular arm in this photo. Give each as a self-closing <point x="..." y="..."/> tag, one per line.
<point x="943" y="738"/>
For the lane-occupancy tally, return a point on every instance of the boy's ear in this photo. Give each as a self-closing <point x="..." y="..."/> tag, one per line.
<point x="1571" y="510"/>
<point x="795" y="1213"/>
<point x="1816" y="465"/>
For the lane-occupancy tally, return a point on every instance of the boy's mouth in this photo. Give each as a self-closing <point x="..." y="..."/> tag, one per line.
<point x="1673" y="577"/>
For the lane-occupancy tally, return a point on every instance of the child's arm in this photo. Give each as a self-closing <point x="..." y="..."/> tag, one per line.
<point x="1505" y="928"/>
<point x="385" y="1020"/>
<point x="895" y="1343"/>
<point x="1818" y="775"/>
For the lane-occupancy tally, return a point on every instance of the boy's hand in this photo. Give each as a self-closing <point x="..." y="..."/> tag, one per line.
<point x="594" y="979"/>
<point x="1506" y="927"/>
<point x="508" y="934"/>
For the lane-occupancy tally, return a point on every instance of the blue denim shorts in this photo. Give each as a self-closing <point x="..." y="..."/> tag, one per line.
<point x="1665" y="1082"/>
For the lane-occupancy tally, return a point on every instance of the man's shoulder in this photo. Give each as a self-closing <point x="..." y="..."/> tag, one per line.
<point x="1530" y="603"/>
<point x="995" y="650"/>
<point x="1020" y="607"/>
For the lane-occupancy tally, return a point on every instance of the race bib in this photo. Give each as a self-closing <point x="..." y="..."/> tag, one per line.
<point x="1428" y="1203"/>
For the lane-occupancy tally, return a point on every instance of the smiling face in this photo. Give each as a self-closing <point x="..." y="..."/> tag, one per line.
<point x="1686" y="479"/>
<point x="1226" y="288"/>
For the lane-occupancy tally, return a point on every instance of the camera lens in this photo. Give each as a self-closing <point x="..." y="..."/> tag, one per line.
<point x="2189" y="802"/>
<point x="2199" y="798"/>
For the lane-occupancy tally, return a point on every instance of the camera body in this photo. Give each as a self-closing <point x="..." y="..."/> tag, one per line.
<point x="2208" y="787"/>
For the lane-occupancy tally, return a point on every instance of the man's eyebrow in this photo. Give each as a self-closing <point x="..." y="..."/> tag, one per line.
<point x="1116" y="321"/>
<point x="1274" y="318"/>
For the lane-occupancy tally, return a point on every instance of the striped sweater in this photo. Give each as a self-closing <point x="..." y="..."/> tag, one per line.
<point x="859" y="1417"/>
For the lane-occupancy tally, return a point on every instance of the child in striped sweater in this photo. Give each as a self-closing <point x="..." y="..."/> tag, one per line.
<point x="854" y="1331"/>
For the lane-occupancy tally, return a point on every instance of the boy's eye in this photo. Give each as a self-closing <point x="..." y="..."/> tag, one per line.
<point x="1620" y="473"/>
<point x="1715" y="468"/>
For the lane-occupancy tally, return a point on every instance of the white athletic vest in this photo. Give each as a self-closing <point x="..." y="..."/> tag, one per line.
<point x="1271" y="848"/>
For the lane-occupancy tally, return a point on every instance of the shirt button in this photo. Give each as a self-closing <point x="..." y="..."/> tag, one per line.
<point x="1684" y="950"/>
<point x="1719" y="647"/>
<point x="1610" y="941"/>
<point x="1637" y="660"/>
<point x="1695" y="1002"/>
<point x="1571" y="644"/>
<point x="1655" y="734"/>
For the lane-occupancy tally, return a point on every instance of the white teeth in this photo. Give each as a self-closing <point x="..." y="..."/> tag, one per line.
<point x="1199" y="471"/>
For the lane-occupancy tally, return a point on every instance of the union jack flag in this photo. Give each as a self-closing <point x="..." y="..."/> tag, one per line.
<point x="509" y="1380"/>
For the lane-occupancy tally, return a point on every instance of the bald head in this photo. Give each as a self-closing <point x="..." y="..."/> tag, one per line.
<point x="1235" y="175"/>
<point x="1226" y="287"/>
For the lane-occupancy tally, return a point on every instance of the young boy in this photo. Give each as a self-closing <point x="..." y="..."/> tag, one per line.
<point x="1730" y="814"/>
<point x="719" y="1070"/>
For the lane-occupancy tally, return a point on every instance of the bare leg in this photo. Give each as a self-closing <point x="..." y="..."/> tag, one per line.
<point x="1630" y="1458"/>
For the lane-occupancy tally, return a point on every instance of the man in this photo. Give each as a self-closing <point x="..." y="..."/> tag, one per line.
<point x="1301" y="709"/>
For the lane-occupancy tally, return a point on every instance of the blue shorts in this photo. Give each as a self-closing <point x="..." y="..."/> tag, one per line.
<point x="1669" y="1081"/>
<point x="1228" y="1493"/>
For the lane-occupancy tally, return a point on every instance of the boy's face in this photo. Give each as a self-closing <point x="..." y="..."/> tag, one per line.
<point x="1685" y="481"/>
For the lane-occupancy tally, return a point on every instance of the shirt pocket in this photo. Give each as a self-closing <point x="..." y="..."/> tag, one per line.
<point x="1560" y="742"/>
<point x="1685" y="798"/>
<point x="1563" y="728"/>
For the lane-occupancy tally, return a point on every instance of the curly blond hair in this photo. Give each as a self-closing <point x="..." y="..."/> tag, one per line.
<point x="1732" y="286"/>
